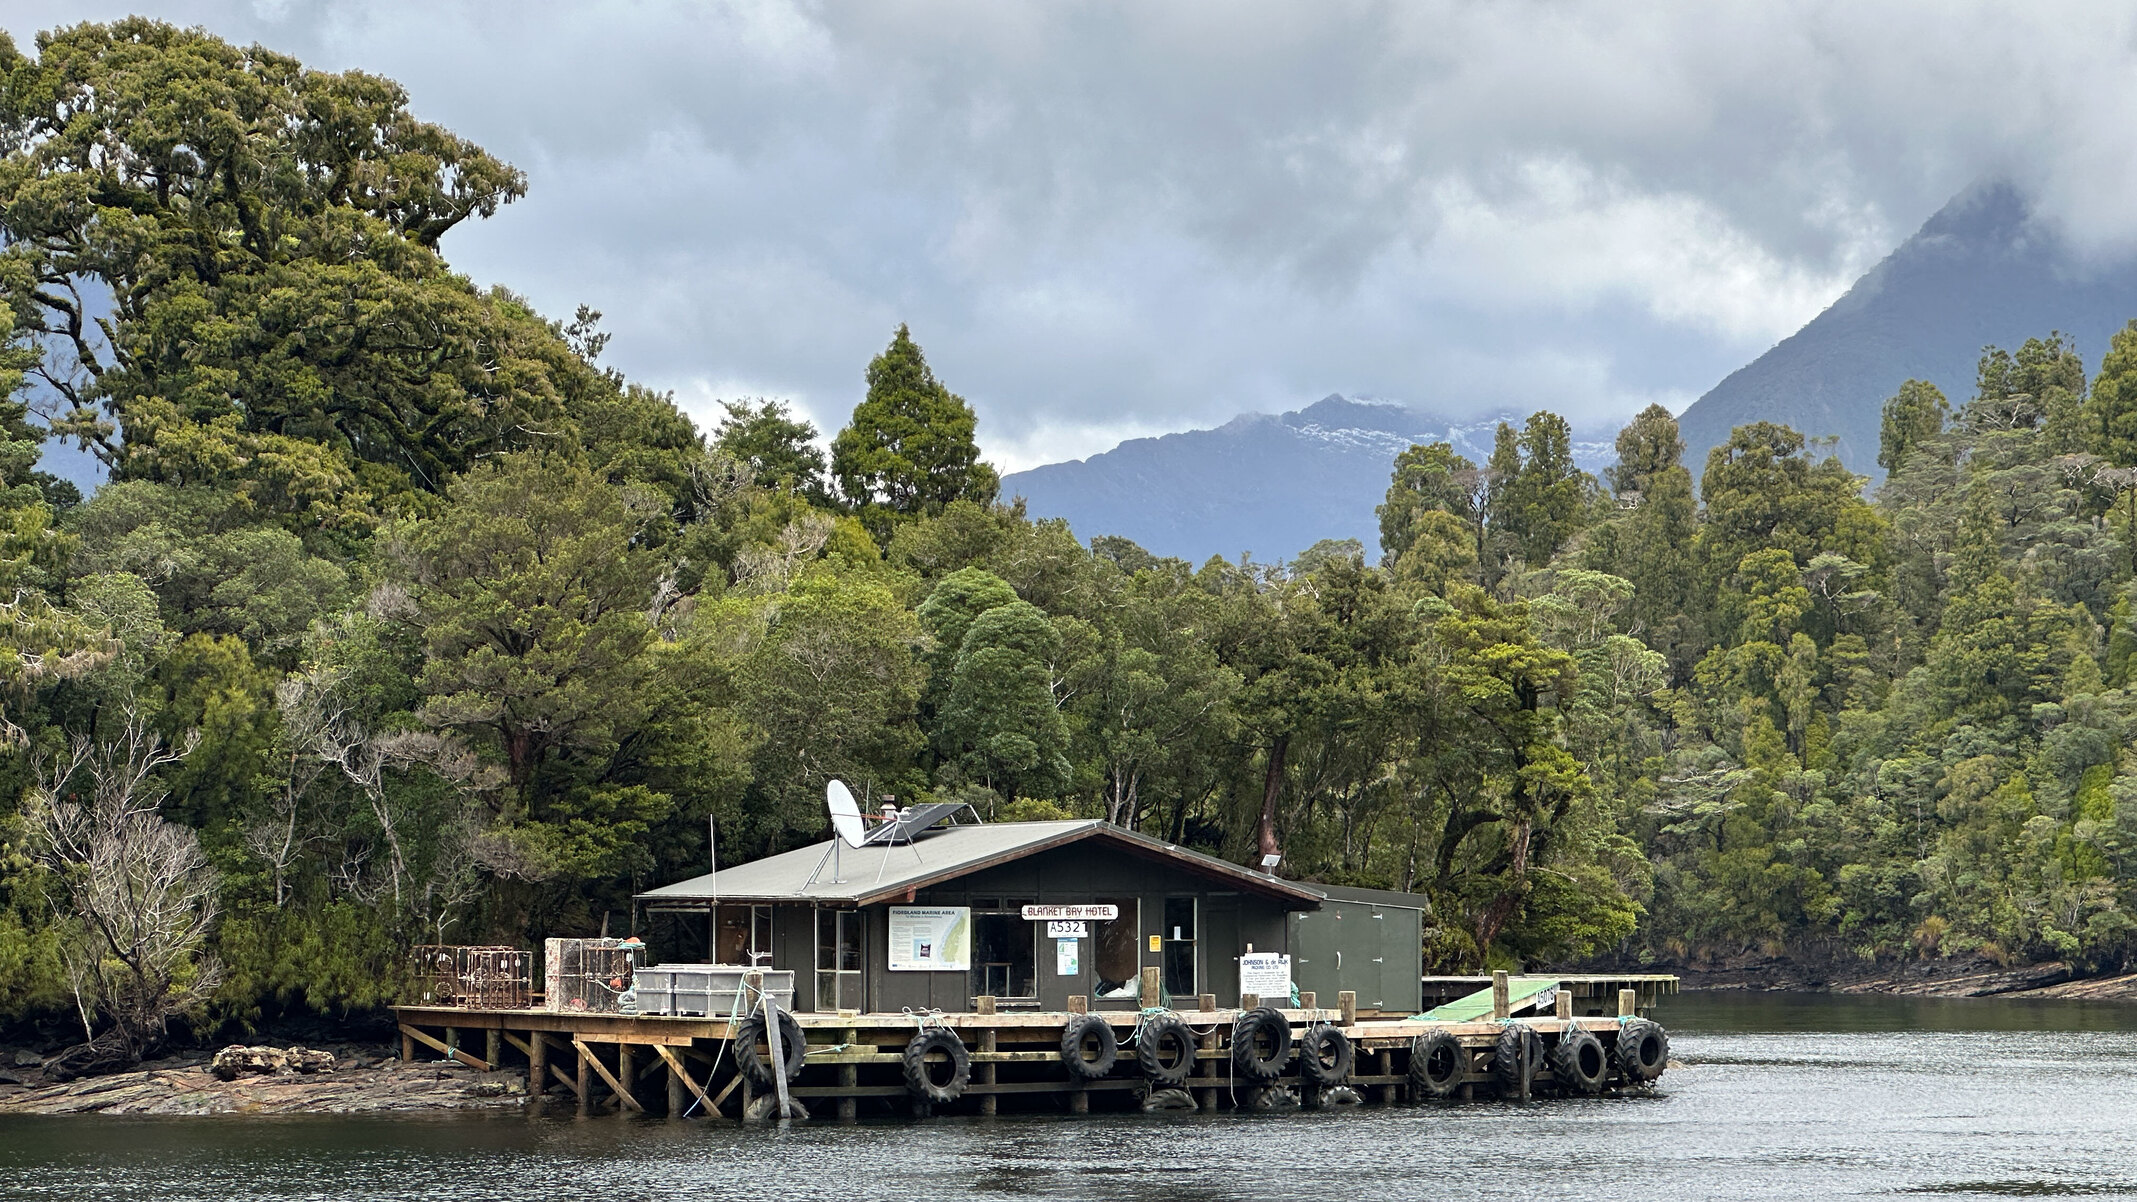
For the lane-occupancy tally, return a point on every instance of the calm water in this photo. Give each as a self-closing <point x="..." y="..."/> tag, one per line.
<point x="1777" y="1097"/>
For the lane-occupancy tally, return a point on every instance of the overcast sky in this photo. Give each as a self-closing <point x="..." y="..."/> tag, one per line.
<point x="1107" y="220"/>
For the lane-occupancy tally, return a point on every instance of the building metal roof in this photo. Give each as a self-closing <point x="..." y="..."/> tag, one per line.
<point x="1386" y="898"/>
<point x="871" y="874"/>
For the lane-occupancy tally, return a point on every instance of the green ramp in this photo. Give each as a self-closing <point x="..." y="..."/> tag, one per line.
<point x="1476" y="1007"/>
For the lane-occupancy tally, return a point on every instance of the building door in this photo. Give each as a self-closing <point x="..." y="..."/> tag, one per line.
<point x="838" y="960"/>
<point x="1220" y="948"/>
<point x="1179" y="940"/>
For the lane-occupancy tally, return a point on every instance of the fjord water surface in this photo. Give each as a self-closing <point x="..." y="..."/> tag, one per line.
<point x="1777" y="1096"/>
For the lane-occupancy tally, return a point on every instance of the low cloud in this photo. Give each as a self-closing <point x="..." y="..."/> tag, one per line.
<point x="1114" y="219"/>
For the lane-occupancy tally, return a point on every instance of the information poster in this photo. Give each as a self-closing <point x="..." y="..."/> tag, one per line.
<point x="930" y="938"/>
<point x="1066" y="961"/>
<point x="1266" y="974"/>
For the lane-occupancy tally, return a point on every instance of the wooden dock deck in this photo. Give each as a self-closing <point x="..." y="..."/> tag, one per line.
<point x="687" y="1066"/>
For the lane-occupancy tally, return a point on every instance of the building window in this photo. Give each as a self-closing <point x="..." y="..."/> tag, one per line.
<point x="838" y="960"/>
<point x="1179" y="944"/>
<point x="1117" y="953"/>
<point x="1005" y="952"/>
<point x="744" y="936"/>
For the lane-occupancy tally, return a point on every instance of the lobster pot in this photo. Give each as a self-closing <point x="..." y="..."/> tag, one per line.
<point x="473" y="978"/>
<point x="588" y="975"/>
<point x="708" y="990"/>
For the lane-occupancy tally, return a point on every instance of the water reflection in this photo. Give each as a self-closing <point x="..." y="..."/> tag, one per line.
<point x="1776" y="1097"/>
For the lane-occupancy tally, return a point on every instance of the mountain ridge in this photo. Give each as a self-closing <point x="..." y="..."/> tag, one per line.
<point x="1319" y="473"/>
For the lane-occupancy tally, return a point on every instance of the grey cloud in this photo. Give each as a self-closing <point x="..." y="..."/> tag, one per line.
<point x="1123" y="217"/>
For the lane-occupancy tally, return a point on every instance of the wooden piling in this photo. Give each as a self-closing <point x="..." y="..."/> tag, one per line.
<point x="627" y="1074"/>
<point x="1309" y="1000"/>
<point x="1206" y="1097"/>
<point x="678" y="1098"/>
<point x="848" y="1077"/>
<point x="1079" y="1004"/>
<point x="408" y="1048"/>
<point x="983" y="1004"/>
<point x="537" y="1064"/>
<point x="1207" y="1001"/>
<point x="1565" y="1004"/>
<point x="1347" y="1007"/>
<point x="493" y="1050"/>
<point x="1153" y="988"/>
<point x="585" y="1085"/>
<point x="988" y="1102"/>
<point x="1628" y="1002"/>
<point x="1502" y="1006"/>
<point x="1248" y="1001"/>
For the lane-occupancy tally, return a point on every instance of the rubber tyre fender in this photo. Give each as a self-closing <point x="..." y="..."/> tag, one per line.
<point x="1579" y="1062"/>
<point x="1266" y="1098"/>
<point x="750" y="1059"/>
<point x="1079" y="1029"/>
<point x="1643" y="1050"/>
<point x="1169" y="1099"/>
<point x="1518" y="1042"/>
<point x="1246" y="1060"/>
<point x="1163" y="1038"/>
<point x="1438" y="1062"/>
<point x="1326" y="1055"/>
<point x="1342" y="1095"/>
<point x="920" y="1082"/>
<point x="761" y="1109"/>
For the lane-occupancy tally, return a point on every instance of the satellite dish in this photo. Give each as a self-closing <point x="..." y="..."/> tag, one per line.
<point x="845" y="814"/>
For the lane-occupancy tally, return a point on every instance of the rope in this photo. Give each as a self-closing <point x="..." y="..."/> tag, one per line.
<point x="923" y="1019"/>
<point x="743" y="1002"/>
<point x="1143" y="1020"/>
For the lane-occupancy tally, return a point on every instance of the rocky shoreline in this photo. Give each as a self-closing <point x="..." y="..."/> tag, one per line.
<point x="359" y="1081"/>
<point x="1932" y="978"/>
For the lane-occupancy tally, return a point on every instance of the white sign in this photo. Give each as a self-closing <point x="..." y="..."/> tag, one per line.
<point x="1065" y="959"/>
<point x="1067" y="928"/>
<point x="1266" y="974"/>
<point x="1101" y="912"/>
<point x="930" y="938"/>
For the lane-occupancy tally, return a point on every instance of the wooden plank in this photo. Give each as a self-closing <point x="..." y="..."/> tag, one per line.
<point x="408" y="1032"/>
<point x="677" y="1072"/>
<point x="587" y="1057"/>
<point x="733" y="1084"/>
<point x="525" y="1049"/>
<point x="567" y="1081"/>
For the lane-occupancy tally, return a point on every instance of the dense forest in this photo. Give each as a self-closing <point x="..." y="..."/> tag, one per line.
<point x="402" y="619"/>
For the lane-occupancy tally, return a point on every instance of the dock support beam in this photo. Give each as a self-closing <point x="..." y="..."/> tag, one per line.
<point x="537" y="1064"/>
<point x="850" y="1076"/>
<point x="493" y="1048"/>
<point x="989" y="1104"/>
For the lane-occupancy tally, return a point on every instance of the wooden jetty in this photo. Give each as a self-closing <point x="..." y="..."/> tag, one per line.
<point x="688" y="1066"/>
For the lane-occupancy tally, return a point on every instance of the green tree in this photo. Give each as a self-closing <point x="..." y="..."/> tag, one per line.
<point x="779" y="449"/>
<point x="908" y="450"/>
<point x="1000" y="722"/>
<point x="1913" y="415"/>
